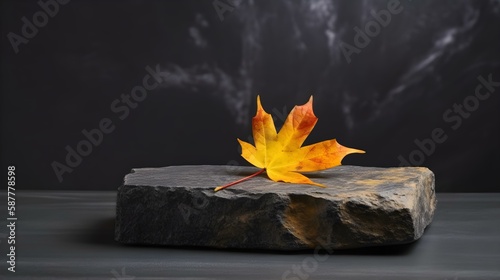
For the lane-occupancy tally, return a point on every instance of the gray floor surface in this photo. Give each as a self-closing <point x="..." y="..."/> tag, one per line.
<point x="69" y="235"/>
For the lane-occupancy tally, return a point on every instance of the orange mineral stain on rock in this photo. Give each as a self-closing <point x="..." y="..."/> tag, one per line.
<point x="303" y="218"/>
<point x="370" y="182"/>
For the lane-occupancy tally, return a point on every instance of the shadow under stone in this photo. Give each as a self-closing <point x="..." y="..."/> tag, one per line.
<point x="101" y="232"/>
<point x="395" y="250"/>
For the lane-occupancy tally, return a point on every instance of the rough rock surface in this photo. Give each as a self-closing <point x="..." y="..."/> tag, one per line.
<point x="360" y="207"/>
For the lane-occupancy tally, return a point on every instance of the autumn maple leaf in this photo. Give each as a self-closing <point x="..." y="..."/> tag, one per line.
<point x="281" y="154"/>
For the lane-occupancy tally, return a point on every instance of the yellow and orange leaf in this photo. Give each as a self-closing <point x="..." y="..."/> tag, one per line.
<point x="281" y="154"/>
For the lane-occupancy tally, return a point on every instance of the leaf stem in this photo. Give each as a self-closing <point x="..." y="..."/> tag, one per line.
<point x="239" y="181"/>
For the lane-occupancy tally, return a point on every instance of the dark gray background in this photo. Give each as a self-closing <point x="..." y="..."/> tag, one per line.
<point x="393" y="92"/>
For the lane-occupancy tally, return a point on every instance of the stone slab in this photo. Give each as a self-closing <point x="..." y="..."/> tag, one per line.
<point x="360" y="207"/>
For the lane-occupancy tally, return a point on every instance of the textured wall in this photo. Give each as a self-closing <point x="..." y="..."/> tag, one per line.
<point x="386" y="76"/>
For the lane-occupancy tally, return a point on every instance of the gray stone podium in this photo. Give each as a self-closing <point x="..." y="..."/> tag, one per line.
<point x="360" y="207"/>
